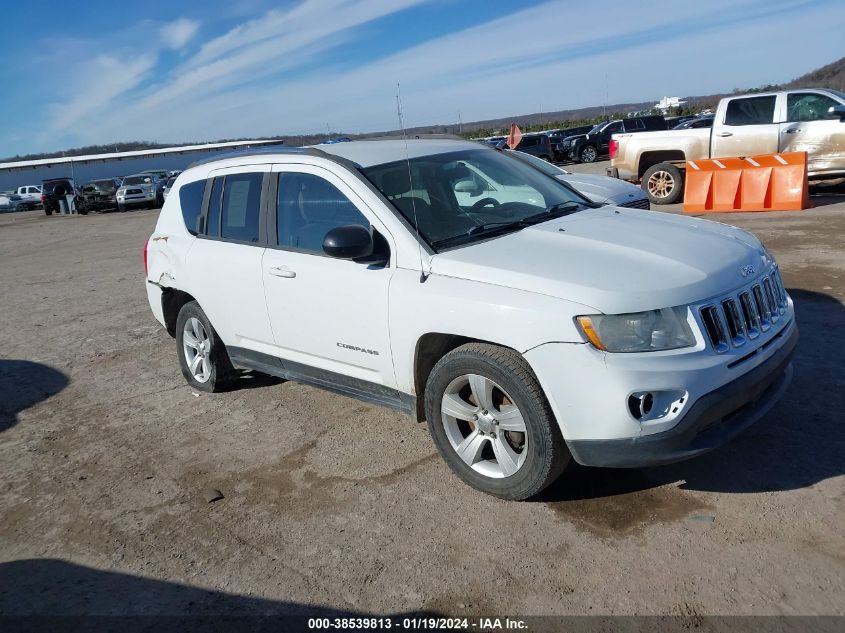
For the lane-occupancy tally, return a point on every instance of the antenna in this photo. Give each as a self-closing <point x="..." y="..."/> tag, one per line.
<point x="423" y="274"/>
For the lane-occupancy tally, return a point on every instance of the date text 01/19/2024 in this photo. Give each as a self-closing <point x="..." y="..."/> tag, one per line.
<point x="417" y="623"/>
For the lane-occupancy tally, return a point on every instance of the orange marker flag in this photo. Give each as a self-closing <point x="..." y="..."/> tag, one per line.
<point x="515" y="136"/>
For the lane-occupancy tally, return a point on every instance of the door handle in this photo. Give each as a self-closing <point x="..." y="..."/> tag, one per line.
<point x="282" y="271"/>
<point x="723" y="134"/>
<point x="792" y="130"/>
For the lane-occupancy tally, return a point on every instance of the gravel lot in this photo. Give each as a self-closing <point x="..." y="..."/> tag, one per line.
<point x="107" y="455"/>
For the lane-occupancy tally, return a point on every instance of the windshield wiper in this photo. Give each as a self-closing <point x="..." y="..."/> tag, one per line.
<point x="555" y="211"/>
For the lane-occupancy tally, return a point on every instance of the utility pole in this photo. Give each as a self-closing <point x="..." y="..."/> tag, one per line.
<point x="606" y="95"/>
<point x="460" y="123"/>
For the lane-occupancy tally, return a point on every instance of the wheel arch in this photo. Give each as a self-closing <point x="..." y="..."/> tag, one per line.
<point x="650" y="159"/>
<point x="172" y="300"/>
<point x="430" y="348"/>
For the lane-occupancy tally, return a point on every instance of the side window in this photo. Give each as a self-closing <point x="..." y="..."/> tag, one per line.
<point x="190" y="199"/>
<point x="633" y="124"/>
<point x="750" y="111"/>
<point x="241" y="207"/>
<point x="613" y="128"/>
<point x="213" y="222"/>
<point x="308" y="208"/>
<point x="807" y="106"/>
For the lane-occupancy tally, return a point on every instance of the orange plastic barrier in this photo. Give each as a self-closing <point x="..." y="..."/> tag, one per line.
<point x="771" y="182"/>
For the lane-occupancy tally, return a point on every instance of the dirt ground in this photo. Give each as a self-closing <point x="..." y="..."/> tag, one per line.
<point x="107" y="456"/>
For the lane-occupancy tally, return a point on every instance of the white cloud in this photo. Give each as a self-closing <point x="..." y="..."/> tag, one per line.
<point x="276" y="41"/>
<point x="178" y="33"/>
<point x="518" y="63"/>
<point x="105" y="78"/>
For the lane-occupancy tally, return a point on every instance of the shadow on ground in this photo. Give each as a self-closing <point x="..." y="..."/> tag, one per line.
<point x="254" y="380"/>
<point x="39" y="594"/>
<point x="799" y="443"/>
<point x="24" y="384"/>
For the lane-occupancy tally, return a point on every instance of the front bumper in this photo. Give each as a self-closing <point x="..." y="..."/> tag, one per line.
<point x="97" y="204"/>
<point x="713" y="420"/>
<point x="135" y="199"/>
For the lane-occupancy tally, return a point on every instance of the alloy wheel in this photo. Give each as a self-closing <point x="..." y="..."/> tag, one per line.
<point x="660" y="184"/>
<point x="484" y="426"/>
<point x="196" y="345"/>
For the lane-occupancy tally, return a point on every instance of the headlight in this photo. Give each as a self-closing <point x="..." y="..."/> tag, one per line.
<point x="639" y="331"/>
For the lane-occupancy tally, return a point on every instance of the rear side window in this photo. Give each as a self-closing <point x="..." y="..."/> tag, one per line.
<point x="750" y="111"/>
<point x="241" y="207"/>
<point x="190" y="199"/>
<point x="633" y="124"/>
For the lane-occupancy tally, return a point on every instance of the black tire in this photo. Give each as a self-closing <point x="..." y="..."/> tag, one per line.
<point x="588" y="154"/>
<point x="664" y="183"/>
<point x="546" y="158"/>
<point x="121" y="207"/>
<point x="222" y="374"/>
<point x="547" y="452"/>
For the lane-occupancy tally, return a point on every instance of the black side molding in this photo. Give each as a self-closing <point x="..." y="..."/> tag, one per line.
<point x="364" y="390"/>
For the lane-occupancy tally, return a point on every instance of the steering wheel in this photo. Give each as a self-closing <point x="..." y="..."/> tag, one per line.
<point x="485" y="202"/>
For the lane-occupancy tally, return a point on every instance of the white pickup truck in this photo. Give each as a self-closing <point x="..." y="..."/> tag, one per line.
<point x="30" y="196"/>
<point x="804" y="120"/>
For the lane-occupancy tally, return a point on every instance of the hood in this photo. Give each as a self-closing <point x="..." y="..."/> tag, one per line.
<point x="614" y="260"/>
<point x="603" y="188"/>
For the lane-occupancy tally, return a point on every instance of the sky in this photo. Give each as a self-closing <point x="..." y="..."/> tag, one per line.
<point x="98" y="71"/>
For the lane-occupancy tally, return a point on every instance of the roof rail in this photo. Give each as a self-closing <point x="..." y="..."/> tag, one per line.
<point x="260" y="151"/>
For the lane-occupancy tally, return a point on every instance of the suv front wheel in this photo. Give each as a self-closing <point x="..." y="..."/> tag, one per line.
<point x="491" y="422"/>
<point x="202" y="355"/>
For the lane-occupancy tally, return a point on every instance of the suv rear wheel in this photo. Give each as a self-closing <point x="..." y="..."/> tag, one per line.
<point x="588" y="154"/>
<point x="664" y="183"/>
<point x="491" y="422"/>
<point x="202" y="355"/>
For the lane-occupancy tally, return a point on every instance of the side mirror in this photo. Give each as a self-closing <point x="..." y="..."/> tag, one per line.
<point x="348" y="242"/>
<point x="468" y="186"/>
<point x="836" y="112"/>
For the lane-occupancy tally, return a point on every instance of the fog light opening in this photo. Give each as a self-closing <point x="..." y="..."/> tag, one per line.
<point x="640" y="404"/>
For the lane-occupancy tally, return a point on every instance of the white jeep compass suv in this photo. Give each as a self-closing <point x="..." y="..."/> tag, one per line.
<point x="527" y="325"/>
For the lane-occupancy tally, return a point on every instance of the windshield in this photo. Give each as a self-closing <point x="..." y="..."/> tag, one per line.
<point x="537" y="163"/>
<point x="101" y="184"/>
<point x="457" y="194"/>
<point x="597" y="128"/>
<point x="137" y="180"/>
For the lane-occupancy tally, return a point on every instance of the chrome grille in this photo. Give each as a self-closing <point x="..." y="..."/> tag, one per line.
<point x="737" y="318"/>
<point x="736" y="326"/>
<point x="640" y="203"/>
<point x="713" y="326"/>
<point x="749" y="315"/>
